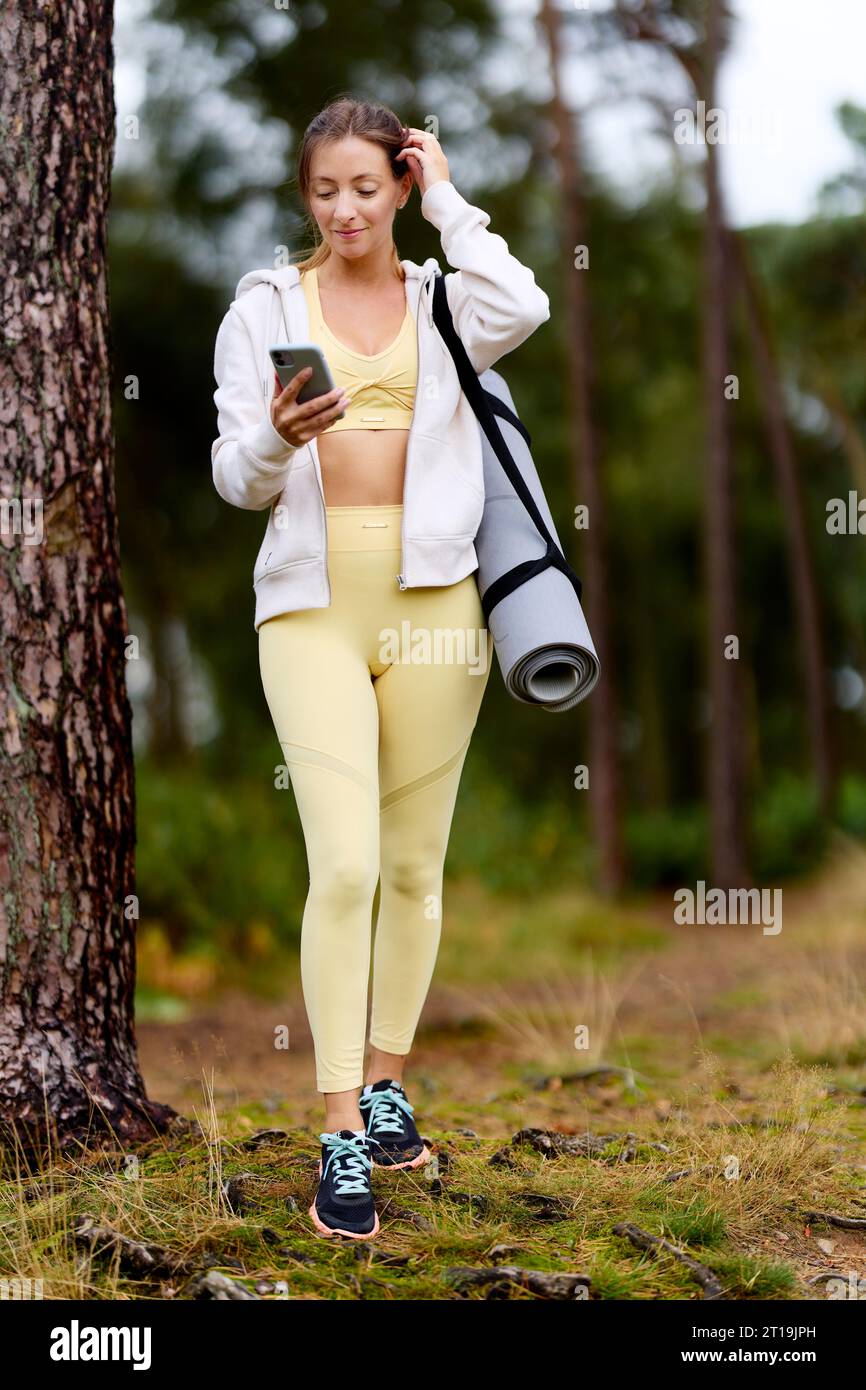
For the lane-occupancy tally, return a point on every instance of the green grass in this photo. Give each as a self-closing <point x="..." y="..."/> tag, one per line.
<point x="434" y="1222"/>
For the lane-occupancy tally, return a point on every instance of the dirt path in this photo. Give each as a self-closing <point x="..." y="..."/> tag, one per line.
<point x="733" y="987"/>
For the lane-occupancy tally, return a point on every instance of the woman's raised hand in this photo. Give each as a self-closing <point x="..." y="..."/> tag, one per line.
<point x="425" y="157"/>
<point x="298" y="424"/>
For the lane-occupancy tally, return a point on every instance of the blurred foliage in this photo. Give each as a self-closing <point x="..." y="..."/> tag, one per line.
<point x="221" y="859"/>
<point x="209" y="195"/>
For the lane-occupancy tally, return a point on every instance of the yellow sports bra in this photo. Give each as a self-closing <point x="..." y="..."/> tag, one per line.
<point x="381" y="388"/>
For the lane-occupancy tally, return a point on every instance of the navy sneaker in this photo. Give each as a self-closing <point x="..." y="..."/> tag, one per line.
<point x="394" y="1140"/>
<point x="343" y="1205"/>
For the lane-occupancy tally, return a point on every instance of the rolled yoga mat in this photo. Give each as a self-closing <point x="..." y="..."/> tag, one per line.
<point x="542" y="641"/>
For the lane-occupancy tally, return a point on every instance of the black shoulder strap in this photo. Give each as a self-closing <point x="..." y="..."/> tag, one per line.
<point x="487" y="405"/>
<point x="498" y="406"/>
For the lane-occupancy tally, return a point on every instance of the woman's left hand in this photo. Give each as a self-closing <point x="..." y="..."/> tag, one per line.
<point x="425" y="158"/>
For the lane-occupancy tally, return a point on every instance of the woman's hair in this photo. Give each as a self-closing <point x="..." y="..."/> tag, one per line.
<point x="342" y="117"/>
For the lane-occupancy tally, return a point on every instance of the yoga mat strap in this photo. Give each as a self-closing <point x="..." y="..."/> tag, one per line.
<point x="486" y="413"/>
<point x="498" y="406"/>
<point x="527" y="569"/>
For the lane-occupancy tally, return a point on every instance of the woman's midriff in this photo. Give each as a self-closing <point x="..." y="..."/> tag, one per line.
<point x="363" y="468"/>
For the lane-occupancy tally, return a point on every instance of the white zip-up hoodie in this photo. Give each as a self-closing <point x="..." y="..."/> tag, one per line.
<point x="495" y="303"/>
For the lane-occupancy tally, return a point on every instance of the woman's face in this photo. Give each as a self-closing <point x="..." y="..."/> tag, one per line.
<point x="352" y="190"/>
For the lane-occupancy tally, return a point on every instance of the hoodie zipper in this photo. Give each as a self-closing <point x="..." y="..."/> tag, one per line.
<point x="314" y="452"/>
<point x="422" y="304"/>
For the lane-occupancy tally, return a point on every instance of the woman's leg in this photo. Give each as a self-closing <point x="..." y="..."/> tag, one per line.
<point x="427" y="712"/>
<point x="318" y="688"/>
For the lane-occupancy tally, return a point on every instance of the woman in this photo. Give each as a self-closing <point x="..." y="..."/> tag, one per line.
<point x="370" y="536"/>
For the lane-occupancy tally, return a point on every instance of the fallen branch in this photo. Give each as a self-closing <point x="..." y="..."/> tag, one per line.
<point x="234" y="1192"/>
<point x="212" y="1284"/>
<point x="702" y="1275"/>
<point x="574" y="1078"/>
<point x="841" y="1090"/>
<point x="543" y="1206"/>
<point x="761" y="1122"/>
<point x="680" y="1173"/>
<point x="478" y="1204"/>
<point x="828" y="1218"/>
<point x="551" y="1142"/>
<point x="263" y="1138"/>
<point x="414" y="1218"/>
<point x="286" y="1252"/>
<point x="502" y="1158"/>
<point x="537" y="1281"/>
<point x="136" y="1256"/>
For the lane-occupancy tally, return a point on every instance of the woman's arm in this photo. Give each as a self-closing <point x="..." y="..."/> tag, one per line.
<point x="493" y="297"/>
<point x="250" y="459"/>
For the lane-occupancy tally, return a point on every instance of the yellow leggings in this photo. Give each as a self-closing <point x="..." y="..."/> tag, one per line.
<point x="374" y="700"/>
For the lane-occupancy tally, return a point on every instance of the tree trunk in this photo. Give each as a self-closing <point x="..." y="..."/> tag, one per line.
<point x="799" y="556"/>
<point x="604" y="759"/>
<point x="726" y="751"/>
<point x="68" y="1060"/>
<point x="698" y="55"/>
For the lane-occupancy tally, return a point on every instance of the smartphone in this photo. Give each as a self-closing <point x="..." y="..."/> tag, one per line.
<point x="291" y="358"/>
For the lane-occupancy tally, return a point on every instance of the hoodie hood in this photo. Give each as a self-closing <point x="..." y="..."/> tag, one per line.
<point x="288" y="275"/>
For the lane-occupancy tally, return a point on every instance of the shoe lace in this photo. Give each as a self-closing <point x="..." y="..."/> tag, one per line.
<point x="349" y="1159"/>
<point x="384" y="1107"/>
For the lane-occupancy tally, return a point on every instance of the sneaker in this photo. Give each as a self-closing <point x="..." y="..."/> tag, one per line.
<point x="343" y="1205"/>
<point x="394" y="1140"/>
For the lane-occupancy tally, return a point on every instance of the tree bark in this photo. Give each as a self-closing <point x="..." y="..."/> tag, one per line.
<point x="698" y="56"/>
<point x="605" y="789"/>
<point x="68" y="1059"/>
